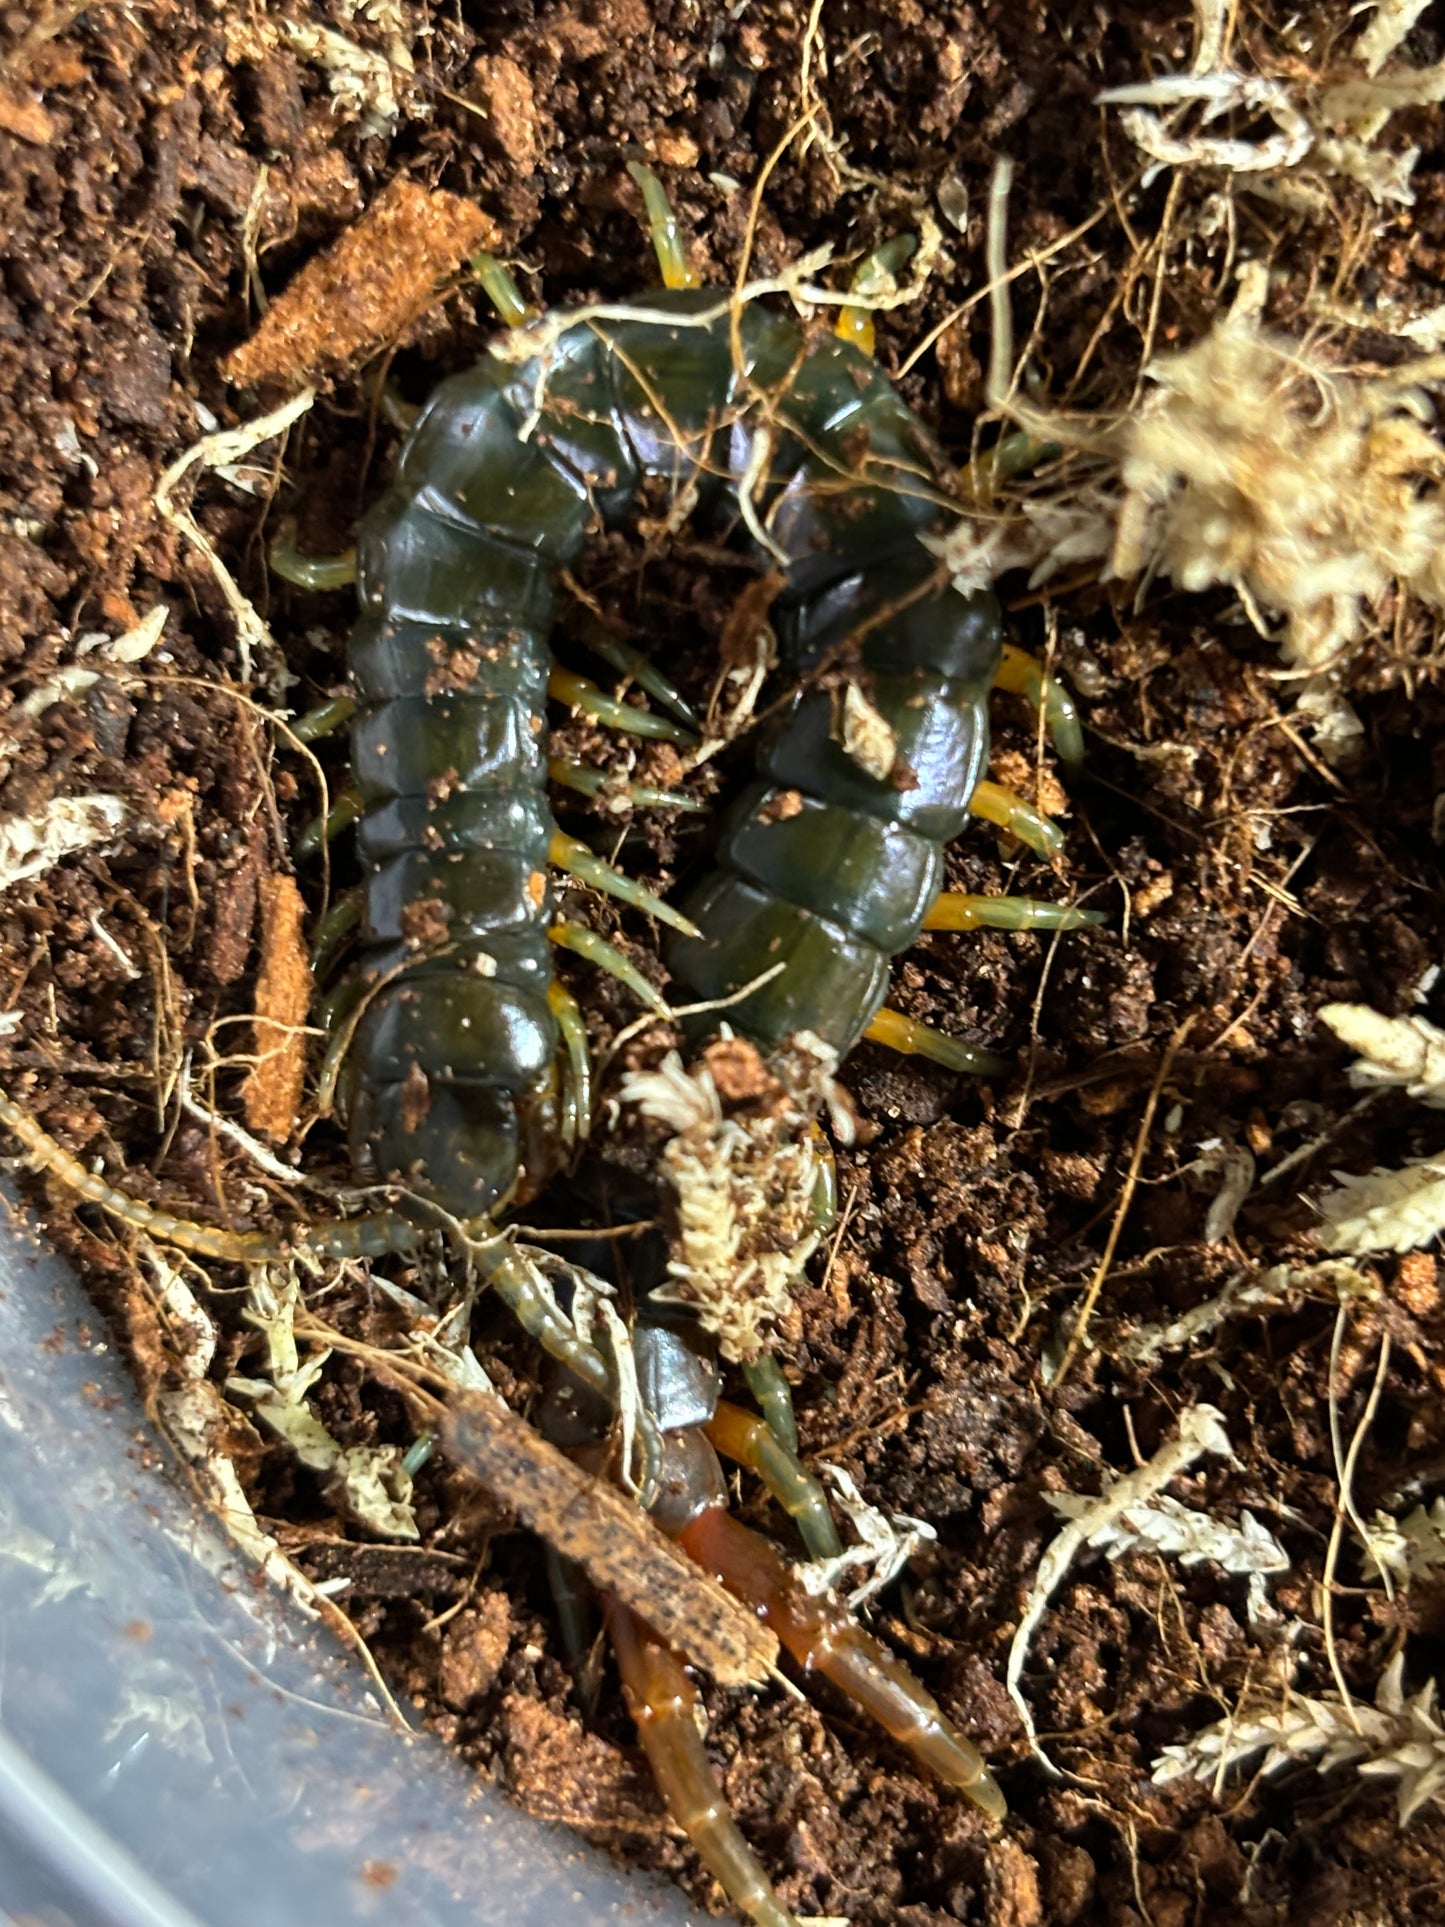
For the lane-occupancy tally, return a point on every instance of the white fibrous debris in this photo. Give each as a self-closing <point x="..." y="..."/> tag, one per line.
<point x="1179" y="1532"/>
<point x="1256" y="466"/>
<point x="1392" y="22"/>
<point x="1201" y="1430"/>
<point x="30" y="845"/>
<point x="74" y="678"/>
<point x="1402" y="1550"/>
<point x="1393" y="1050"/>
<point x="189" y="1326"/>
<point x="1216" y="94"/>
<point x="1320" y="128"/>
<point x="1396" y="1739"/>
<point x="743" y="1168"/>
<point x="1235" y="1165"/>
<point x="366" y="84"/>
<point x="866" y="736"/>
<point x="223" y="449"/>
<point x="1334" y="723"/>
<point x="885" y="1544"/>
<point x="369" y="1482"/>
<point x="1387" y="1210"/>
<point x="1247" y="1296"/>
<point x="441" y="1337"/>
<point x="203" y="1428"/>
<point x="1043" y="536"/>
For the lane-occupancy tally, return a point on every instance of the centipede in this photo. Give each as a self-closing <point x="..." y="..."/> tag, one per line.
<point x="464" y="1064"/>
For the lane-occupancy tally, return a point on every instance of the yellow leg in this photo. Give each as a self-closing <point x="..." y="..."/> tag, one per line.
<point x="1022" y="676"/>
<point x="902" y="1034"/>
<point x="586" y="943"/>
<point x="753" y="1442"/>
<point x="577" y="1087"/>
<point x="500" y="289"/>
<point x="877" y="273"/>
<point x="677" y="270"/>
<point x="566" y="853"/>
<point x="1010" y="812"/>
<point x="662" y="1701"/>
<point x="318" y="572"/>
<point x="954" y="910"/>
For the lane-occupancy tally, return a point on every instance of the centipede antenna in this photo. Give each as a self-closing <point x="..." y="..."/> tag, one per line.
<point x="500" y="289"/>
<point x="310" y="571"/>
<point x="662" y="1702"/>
<point x="1022" y="676"/>
<point x="677" y="270"/>
<point x="577" y="1087"/>
<point x="628" y="661"/>
<point x="955" y="910"/>
<point x="824" y="1637"/>
<point x="1010" y="812"/>
<point x="576" y="860"/>
<point x="586" y="943"/>
<point x="322" y="831"/>
<point x="913" y="1039"/>
<point x="204" y="1241"/>
<point x="592" y="701"/>
<point x="596" y="784"/>
<point x="765" y="1380"/>
<point x="876" y="273"/>
<point x="374" y="1236"/>
<point x="324" y="720"/>
<point x="752" y="1442"/>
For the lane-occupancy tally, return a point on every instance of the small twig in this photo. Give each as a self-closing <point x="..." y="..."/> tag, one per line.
<point x="1344" y="1503"/>
<point x="1141" y="1142"/>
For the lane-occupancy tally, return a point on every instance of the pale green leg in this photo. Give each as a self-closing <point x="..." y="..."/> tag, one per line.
<point x="310" y="571"/>
<point x="324" y="719"/>
<point x="585" y="780"/>
<point x="958" y="910"/>
<point x="750" y="1440"/>
<point x="575" y="859"/>
<point x="322" y="831"/>
<point x="628" y="661"/>
<point x="334" y="929"/>
<point x="765" y="1380"/>
<point x="586" y="943"/>
<point x="577" y="1097"/>
<point x="581" y="694"/>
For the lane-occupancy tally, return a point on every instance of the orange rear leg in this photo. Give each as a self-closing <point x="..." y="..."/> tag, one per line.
<point x="661" y="1700"/>
<point x="825" y="1638"/>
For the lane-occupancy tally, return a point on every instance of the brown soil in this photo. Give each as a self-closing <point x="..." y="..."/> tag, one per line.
<point x="163" y="172"/>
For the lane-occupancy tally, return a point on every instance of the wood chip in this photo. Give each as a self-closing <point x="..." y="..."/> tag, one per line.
<point x="365" y="290"/>
<point x="610" y="1537"/>
<point x="271" y="1094"/>
<point x="23" y="116"/>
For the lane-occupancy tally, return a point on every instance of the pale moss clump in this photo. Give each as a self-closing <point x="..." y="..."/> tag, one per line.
<point x="1309" y="490"/>
<point x="743" y="1166"/>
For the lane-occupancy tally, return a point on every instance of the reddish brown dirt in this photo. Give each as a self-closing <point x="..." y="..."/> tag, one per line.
<point x="160" y="174"/>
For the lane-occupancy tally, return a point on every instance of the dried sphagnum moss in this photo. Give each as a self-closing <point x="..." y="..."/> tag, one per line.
<point x="743" y="1167"/>
<point x="1308" y="489"/>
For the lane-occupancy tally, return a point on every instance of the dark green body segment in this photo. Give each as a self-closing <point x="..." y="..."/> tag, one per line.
<point x="822" y="868"/>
